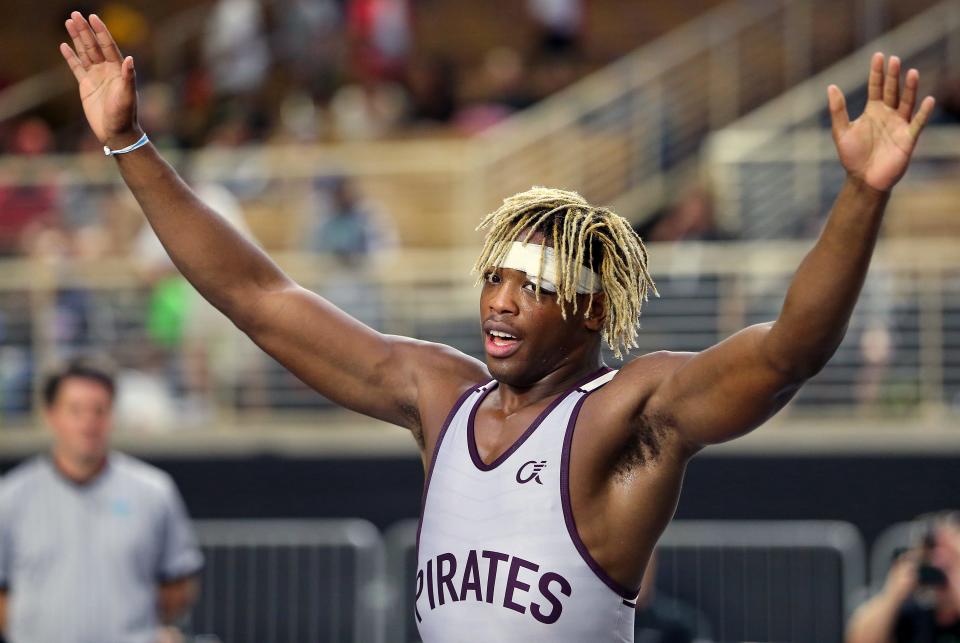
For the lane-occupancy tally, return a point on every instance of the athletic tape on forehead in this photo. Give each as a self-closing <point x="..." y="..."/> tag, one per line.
<point x="526" y="258"/>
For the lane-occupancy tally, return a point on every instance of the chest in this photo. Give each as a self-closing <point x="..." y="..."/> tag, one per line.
<point x="67" y="530"/>
<point x="494" y="433"/>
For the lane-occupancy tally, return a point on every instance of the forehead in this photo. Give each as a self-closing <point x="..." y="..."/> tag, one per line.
<point x="82" y="389"/>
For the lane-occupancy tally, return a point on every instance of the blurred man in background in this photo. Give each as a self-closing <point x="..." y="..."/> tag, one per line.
<point x="920" y="600"/>
<point x="94" y="545"/>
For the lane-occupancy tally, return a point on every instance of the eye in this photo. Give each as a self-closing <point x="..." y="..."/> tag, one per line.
<point x="532" y="287"/>
<point x="491" y="277"/>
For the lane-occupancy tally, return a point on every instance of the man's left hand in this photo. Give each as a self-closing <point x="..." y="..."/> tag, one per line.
<point x="876" y="148"/>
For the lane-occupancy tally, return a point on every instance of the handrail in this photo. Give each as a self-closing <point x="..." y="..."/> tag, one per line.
<point x="710" y="290"/>
<point x="808" y="99"/>
<point x="565" y="107"/>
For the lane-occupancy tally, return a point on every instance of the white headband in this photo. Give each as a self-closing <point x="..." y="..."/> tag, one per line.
<point x="526" y="258"/>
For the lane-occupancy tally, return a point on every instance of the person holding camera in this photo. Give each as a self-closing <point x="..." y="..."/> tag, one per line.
<point x="920" y="599"/>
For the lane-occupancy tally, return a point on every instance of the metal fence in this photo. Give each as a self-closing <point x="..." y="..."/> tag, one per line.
<point x="275" y="581"/>
<point x="775" y="171"/>
<point x="747" y="580"/>
<point x="900" y="360"/>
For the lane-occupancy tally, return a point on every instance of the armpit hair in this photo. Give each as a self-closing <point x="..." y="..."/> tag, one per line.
<point x="412" y="414"/>
<point x="645" y="445"/>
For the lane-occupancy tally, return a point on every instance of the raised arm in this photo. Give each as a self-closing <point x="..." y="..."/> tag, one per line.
<point x="337" y="355"/>
<point x="731" y="388"/>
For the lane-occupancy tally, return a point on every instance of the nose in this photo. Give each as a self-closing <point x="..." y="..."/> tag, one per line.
<point x="503" y="300"/>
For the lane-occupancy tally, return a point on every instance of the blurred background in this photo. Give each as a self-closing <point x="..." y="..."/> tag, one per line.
<point x="360" y="142"/>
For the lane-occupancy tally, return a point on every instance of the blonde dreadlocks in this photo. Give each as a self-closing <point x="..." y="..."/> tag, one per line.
<point x="576" y="228"/>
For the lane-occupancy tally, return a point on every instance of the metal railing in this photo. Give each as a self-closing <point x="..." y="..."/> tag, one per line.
<point x="773" y="171"/>
<point x="267" y="581"/>
<point x="784" y="187"/>
<point x="751" y="580"/>
<point x="627" y="135"/>
<point x="899" y="362"/>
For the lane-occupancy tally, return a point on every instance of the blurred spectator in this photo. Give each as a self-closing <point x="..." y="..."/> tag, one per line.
<point x="689" y="219"/>
<point x="25" y="207"/>
<point x="235" y="47"/>
<point x="499" y="89"/>
<point x="559" y="21"/>
<point x="94" y="545"/>
<point x="948" y="97"/>
<point x="128" y="26"/>
<point x="663" y="619"/>
<point x="347" y="227"/>
<point x="433" y="96"/>
<point x="361" y="112"/>
<point x="213" y="352"/>
<point x="310" y="43"/>
<point x="155" y="110"/>
<point x="380" y="37"/>
<point x="920" y="600"/>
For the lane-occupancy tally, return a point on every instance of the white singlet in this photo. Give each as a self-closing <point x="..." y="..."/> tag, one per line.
<point x="498" y="554"/>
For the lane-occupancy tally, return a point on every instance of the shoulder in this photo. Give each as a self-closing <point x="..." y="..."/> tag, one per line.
<point x="19" y="485"/>
<point x="624" y="427"/>
<point x="442" y="375"/>
<point x="141" y="478"/>
<point x="627" y="394"/>
<point x="21" y="480"/>
<point x="442" y="372"/>
<point x="432" y="358"/>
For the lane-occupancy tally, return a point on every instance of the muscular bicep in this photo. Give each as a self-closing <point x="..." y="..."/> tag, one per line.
<point x="724" y="391"/>
<point x="343" y="359"/>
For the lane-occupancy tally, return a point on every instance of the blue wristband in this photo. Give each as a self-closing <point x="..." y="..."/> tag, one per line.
<point x="129" y="148"/>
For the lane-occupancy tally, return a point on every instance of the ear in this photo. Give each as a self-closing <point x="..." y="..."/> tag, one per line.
<point x="597" y="315"/>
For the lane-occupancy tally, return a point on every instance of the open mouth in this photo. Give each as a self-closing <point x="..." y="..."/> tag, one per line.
<point x="500" y="344"/>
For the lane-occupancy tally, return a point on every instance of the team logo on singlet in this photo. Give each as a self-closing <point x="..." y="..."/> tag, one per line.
<point x="531" y="471"/>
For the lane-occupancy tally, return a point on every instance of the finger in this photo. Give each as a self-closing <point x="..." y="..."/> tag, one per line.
<point x="89" y="43"/>
<point x="108" y="45"/>
<point x="839" y="119"/>
<point x="71" y="57"/>
<point x="875" y="82"/>
<point x="891" y="84"/>
<point x="923" y="115"/>
<point x="77" y="43"/>
<point x="127" y="72"/>
<point x="909" y="97"/>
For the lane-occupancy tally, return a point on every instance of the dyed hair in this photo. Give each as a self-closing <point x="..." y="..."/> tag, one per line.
<point x="582" y="235"/>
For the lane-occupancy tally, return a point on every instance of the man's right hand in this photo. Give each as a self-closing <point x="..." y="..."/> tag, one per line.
<point x="902" y="578"/>
<point x="106" y="80"/>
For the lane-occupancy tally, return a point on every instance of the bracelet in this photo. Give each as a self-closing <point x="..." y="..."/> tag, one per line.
<point x="129" y="148"/>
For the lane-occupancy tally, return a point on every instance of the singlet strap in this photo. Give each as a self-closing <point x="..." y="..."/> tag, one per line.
<point x="597" y="382"/>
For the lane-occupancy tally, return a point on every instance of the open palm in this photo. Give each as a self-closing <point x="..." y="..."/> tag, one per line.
<point x="876" y="148"/>
<point x="105" y="79"/>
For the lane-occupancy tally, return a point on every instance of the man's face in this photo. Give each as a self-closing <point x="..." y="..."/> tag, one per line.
<point x="540" y="340"/>
<point x="80" y="418"/>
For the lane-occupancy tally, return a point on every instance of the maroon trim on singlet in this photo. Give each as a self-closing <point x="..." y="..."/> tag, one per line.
<point x="624" y="592"/>
<point x="436" y="450"/>
<point x="471" y="422"/>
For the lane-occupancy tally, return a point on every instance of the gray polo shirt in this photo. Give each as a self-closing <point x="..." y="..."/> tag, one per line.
<point x="81" y="563"/>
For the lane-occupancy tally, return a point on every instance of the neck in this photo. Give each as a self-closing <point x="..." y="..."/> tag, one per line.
<point x="557" y="381"/>
<point x="78" y="470"/>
